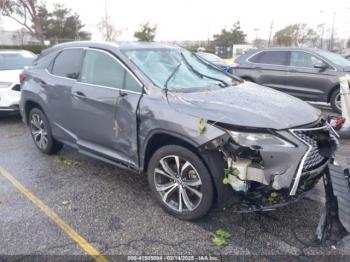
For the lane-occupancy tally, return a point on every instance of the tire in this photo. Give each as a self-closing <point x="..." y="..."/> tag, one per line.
<point x="170" y="183"/>
<point x="334" y="101"/>
<point x="42" y="134"/>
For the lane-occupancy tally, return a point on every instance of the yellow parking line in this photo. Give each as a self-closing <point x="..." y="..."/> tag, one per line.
<point x="89" y="249"/>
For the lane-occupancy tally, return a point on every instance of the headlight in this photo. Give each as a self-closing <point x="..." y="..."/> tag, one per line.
<point x="258" y="139"/>
<point x="5" y="84"/>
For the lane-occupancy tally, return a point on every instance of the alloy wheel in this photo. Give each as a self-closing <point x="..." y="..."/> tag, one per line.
<point x="338" y="101"/>
<point x="178" y="183"/>
<point x="39" y="131"/>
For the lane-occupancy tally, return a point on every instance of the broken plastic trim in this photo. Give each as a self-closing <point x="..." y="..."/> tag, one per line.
<point x="334" y="221"/>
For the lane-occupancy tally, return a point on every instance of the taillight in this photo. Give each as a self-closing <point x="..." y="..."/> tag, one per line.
<point x="21" y="77"/>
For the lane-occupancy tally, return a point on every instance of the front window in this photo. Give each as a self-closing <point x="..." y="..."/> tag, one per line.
<point x="335" y="58"/>
<point x="177" y="69"/>
<point x="302" y="59"/>
<point x="15" y="60"/>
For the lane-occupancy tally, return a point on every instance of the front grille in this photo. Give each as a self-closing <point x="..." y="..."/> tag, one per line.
<point x="314" y="159"/>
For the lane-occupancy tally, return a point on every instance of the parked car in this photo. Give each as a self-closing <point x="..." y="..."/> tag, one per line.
<point x="346" y="53"/>
<point x="309" y="74"/>
<point x="217" y="61"/>
<point x="203" y="137"/>
<point x="12" y="62"/>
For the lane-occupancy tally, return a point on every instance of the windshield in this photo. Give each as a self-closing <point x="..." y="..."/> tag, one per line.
<point x="177" y="69"/>
<point x="210" y="57"/>
<point x="335" y="58"/>
<point x="15" y="60"/>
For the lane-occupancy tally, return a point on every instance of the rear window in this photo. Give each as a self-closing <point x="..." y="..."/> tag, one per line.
<point x="68" y="63"/>
<point x="270" y="58"/>
<point x="15" y="61"/>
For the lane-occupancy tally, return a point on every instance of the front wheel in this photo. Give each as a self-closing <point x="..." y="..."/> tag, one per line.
<point x="181" y="182"/>
<point x="336" y="101"/>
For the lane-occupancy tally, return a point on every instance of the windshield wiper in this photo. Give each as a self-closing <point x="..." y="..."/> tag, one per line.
<point x="202" y="75"/>
<point x="216" y="67"/>
<point x="171" y="76"/>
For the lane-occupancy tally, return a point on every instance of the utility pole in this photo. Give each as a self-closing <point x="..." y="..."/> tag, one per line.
<point x="271" y="28"/>
<point x="332" y="32"/>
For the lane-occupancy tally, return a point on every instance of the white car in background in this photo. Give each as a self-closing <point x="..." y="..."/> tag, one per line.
<point x="12" y="63"/>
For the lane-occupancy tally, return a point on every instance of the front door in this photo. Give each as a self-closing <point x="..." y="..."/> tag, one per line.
<point x="105" y="111"/>
<point x="304" y="80"/>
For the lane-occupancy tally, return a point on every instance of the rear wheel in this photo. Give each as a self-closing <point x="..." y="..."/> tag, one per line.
<point x="41" y="133"/>
<point x="181" y="182"/>
<point x="336" y="101"/>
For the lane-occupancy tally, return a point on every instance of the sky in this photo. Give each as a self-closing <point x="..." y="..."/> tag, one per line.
<point x="200" y="19"/>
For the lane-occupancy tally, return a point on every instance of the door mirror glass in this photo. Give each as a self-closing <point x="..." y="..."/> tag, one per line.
<point x="321" y="66"/>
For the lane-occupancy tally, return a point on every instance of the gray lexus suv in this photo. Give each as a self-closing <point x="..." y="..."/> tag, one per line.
<point x="204" y="138"/>
<point x="309" y="74"/>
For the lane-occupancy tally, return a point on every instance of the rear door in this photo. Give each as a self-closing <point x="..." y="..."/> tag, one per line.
<point x="304" y="80"/>
<point x="270" y="68"/>
<point x="57" y="85"/>
<point x="104" y="102"/>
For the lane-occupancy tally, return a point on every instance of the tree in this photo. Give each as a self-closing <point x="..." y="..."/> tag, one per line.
<point x="61" y="24"/>
<point x="295" y="35"/>
<point x="146" y="32"/>
<point x="230" y="37"/>
<point x="25" y="13"/>
<point x="108" y="30"/>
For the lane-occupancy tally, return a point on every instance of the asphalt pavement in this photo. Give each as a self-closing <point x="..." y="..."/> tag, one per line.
<point x="115" y="212"/>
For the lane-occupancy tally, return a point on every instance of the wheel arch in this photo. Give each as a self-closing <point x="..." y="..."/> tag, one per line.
<point x="28" y="106"/>
<point x="330" y="93"/>
<point x="159" y="139"/>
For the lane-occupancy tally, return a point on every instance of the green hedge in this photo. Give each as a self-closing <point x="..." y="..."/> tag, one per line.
<point x="36" y="49"/>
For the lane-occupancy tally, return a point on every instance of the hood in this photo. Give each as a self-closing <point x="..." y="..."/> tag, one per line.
<point x="246" y="105"/>
<point x="11" y="76"/>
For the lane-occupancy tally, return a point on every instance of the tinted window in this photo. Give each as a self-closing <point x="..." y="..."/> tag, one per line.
<point x="302" y="59"/>
<point x="15" y="61"/>
<point x="68" y="63"/>
<point x="271" y="58"/>
<point x="102" y="69"/>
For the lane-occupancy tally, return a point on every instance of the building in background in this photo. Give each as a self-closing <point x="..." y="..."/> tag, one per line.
<point x="17" y="37"/>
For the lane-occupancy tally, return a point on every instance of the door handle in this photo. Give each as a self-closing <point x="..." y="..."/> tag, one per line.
<point x="79" y="95"/>
<point x="122" y="93"/>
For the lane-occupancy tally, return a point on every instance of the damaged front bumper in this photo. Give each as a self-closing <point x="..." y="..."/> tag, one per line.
<point x="264" y="177"/>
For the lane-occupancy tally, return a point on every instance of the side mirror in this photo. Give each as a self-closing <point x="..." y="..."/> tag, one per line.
<point x="322" y="66"/>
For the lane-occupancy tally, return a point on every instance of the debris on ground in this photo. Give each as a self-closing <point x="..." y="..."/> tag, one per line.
<point x="219" y="237"/>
